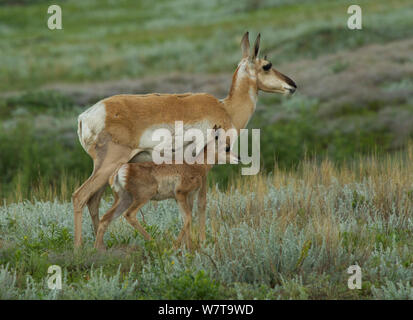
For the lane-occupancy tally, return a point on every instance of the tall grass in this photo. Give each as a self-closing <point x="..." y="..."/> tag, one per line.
<point x="42" y="189"/>
<point x="44" y="162"/>
<point x="291" y="234"/>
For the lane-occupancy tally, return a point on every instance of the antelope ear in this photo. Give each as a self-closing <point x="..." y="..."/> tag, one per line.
<point x="216" y="133"/>
<point x="256" y="47"/>
<point x="245" y="45"/>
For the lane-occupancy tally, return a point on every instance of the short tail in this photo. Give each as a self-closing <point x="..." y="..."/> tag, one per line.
<point x="79" y="132"/>
<point x="118" y="179"/>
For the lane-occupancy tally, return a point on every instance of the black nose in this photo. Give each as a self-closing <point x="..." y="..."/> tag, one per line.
<point x="290" y="82"/>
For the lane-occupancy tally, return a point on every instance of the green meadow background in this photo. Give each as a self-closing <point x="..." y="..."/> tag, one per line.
<point x="335" y="185"/>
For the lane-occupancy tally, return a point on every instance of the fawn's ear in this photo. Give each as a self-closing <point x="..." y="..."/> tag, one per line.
<point x="245" y="45"/>
<point x="256" y="47"/>
<point x="233" y="158"/>
<point x="216" y="131"/>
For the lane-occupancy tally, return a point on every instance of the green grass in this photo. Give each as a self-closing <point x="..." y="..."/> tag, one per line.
<point x="293" y="237"/>
<point x="145" y="38"/>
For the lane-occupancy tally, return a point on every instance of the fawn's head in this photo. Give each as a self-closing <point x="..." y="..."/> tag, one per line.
<point x="260" y="70"/>
<point x="219" y="150"/>
<point x="223" y="147"/>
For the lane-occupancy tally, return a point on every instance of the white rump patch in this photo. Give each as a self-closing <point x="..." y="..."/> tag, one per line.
<point x="90" y="124"/>
<point x="123" y="175"/>
<point x="120" y="177"/>
<point x="167" y="186"/>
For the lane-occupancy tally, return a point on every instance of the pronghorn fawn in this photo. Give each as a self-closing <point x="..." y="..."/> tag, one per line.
<point x="119" y="129"/>
<point x="134" y="184"/>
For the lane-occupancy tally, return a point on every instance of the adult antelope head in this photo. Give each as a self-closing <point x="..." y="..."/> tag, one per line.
<point x="253" y="74"/>
<point x="261" y="70"/>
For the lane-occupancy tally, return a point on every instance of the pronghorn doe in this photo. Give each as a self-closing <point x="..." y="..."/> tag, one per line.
<point x="118" y="129"/>
<point x="134" y="184"/>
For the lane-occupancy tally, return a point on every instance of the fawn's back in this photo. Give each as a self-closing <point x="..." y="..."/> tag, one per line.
<point x="157" y="182"/>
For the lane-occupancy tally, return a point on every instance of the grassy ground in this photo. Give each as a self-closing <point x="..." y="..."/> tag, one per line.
<point x="293" y="237"/>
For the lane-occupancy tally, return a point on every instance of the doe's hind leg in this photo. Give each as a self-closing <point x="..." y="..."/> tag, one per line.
<point x="93" y="206"/>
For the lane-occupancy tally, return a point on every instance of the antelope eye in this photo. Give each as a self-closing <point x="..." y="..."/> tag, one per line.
<point x="267" y="66"/>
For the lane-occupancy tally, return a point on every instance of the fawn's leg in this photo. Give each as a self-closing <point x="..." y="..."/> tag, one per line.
<point x="190" y="201"/>
<point x="202" y="194"/>
<point x="187" y="216"/>
<point x="142" y="194"/>
<point x="122" y="202"/>
<point x="103" y="225"/>
<point x="130" y="216"/>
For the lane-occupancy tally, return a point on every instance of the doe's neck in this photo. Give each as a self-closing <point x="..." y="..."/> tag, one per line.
<point x="243" y="94"/>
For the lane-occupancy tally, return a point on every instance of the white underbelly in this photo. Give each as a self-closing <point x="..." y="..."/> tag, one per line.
<point x="167" y="187"/>
<point x="169" y="135"/>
